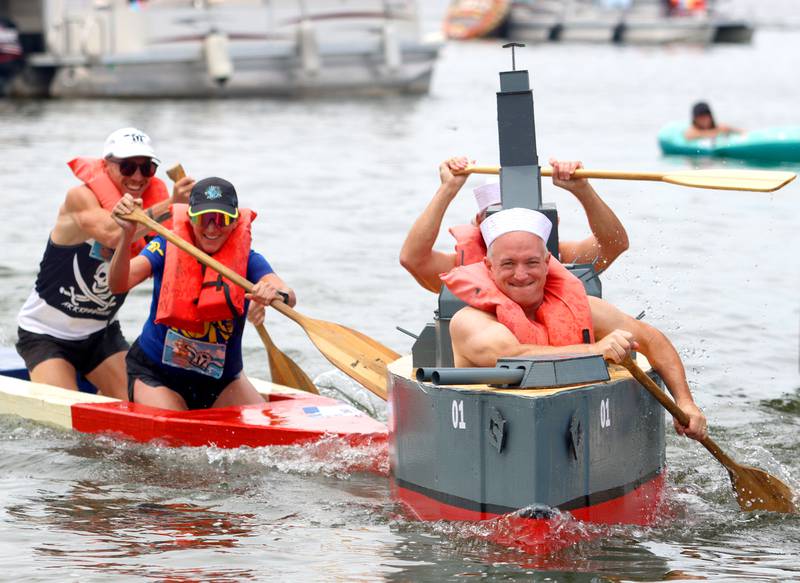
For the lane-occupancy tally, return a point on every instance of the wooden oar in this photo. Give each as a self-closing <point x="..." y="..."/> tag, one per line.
<point x="283" y="370"/>
<point x="753" y="180"/>
<point x="755" y="489"/>
<point x="352" y="352"/>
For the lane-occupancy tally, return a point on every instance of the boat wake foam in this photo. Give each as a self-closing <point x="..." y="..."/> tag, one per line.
<point x="337" y="385"/>
<point x="330" y="456"/>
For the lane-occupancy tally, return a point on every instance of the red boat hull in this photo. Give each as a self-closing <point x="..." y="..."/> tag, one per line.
<point x="284" y="420"/>
<point x="541" y="535"/>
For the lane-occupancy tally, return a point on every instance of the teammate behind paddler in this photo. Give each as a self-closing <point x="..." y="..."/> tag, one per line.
<point x="68" y="323"/>
<point x="523" y="302"/>
<point x="189" y="354"/>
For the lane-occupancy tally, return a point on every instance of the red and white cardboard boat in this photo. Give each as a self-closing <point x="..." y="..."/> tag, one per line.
<point x="290" y="417"/>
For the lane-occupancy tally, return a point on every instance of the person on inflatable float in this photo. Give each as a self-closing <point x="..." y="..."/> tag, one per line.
<point x="68" y="323"/>
<point x="704" y="126"/>
<point x="523" y="302"/>
<point x="189" y="354"/>
<point x="607" y="241"/>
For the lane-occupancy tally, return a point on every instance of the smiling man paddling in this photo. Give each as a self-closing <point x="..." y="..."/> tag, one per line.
<point x="189" y="354"/>
<point x="523" y="302"/>
<point x="607" y="241"/>
<point x="68" y="323"/>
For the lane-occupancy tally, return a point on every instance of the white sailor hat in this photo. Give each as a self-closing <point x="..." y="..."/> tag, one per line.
<point x="515" y="219"/>
<point x="486" y="195"/>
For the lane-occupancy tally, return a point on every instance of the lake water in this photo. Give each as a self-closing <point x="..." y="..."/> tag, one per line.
<point x="337" y="183"/>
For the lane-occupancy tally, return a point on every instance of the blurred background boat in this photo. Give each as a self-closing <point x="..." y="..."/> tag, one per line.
<point x="604" y="21"/>
<point x="467" y="19"/>
<point x="196" y="48"/>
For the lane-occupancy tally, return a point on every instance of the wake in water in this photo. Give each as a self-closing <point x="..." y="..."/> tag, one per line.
<point x="330" y="456"/>
<point x="515" y="543"/>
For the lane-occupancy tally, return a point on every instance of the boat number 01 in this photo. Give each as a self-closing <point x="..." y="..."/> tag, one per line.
<point x="458" y="415"/>
<point x="605" y="413"/>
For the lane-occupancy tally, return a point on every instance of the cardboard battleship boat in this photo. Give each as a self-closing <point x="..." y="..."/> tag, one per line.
<point x="536" y="437"/>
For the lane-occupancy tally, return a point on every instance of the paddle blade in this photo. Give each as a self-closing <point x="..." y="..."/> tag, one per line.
<point x="757" y="490"/>
<point x="283" y="370"/>
<point x="752" y="180"/>
<point x="356" y="355"/>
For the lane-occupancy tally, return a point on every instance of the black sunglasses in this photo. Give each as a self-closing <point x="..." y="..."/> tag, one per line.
<point x="127" y="167"/>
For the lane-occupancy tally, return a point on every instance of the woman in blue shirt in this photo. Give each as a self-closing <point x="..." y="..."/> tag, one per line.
<point x="189" y="354"/>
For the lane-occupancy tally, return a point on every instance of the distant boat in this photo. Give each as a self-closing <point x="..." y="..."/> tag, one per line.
<point x="207" y="48"/>
<point x="467" y="19"/>
<point x="621" y="21"/>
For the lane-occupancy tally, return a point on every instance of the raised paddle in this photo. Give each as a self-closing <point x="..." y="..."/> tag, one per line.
<point x="355" y="354"/>
<point x="755" y="489"/>
<point x="753" y="180"/>
<point x="283" y="370"/>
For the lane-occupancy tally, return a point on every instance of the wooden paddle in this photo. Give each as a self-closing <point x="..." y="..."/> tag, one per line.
<point x="355" y="354"/>
<point x="753" y="180"/>
<point x="755" y="489"/>
<point x="283" y="370"/>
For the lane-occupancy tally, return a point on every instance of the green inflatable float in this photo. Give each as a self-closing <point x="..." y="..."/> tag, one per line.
<point x="779" y="144"/>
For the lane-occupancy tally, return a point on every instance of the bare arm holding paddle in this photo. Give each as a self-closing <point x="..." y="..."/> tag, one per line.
<point x="160" y="211"/>
<point x="479" y="340"/>
<point x="124" y="272"/>
<point x="257" y="311"/>
<point x="81" y="217"/>
<point x="662" y="356"/>
<point x="607" y="241"/>
<point x="417" y="255"/>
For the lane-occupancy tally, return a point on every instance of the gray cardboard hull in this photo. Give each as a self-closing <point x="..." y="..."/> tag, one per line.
<point x="492" y="452"/>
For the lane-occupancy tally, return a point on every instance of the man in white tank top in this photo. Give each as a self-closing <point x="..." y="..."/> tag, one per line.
<point x="68" y="323"/>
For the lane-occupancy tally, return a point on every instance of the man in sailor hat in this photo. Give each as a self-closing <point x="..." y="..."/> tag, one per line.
<point x="608" y="239"/>
<point x="522" y="302"/>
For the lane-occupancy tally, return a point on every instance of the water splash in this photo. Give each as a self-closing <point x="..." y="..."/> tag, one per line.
<point x="330" y="456"/>
<point x="337" y="385"/>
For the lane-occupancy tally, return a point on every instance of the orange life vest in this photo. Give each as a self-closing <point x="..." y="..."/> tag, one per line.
<point x="563" y="318"/>
<point x="470" y="247"/>
<point x="191" y="294"/>
<point x="92" y="173"/>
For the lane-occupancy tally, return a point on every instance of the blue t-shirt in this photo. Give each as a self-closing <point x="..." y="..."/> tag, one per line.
<point x="221" y="340"/>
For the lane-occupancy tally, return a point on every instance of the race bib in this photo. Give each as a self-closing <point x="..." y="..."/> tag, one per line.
<point x="101" y="252"/>
<point x="194" y="355"/>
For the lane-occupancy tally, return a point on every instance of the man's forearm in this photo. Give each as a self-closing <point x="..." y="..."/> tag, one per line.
<point x="665" y="361"/>
<point x="422" y="236"/>
<point x="604" y="224"/>
<point x="119" y="270"/>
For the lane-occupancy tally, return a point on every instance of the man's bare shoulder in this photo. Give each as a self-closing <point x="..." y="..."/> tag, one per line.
<point x="468" y="318"/>
<point x="67" y="230"/>
<point x="79" y="198"/>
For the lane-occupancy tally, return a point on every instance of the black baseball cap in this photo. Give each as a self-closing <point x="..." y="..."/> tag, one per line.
<point x="700" y="108"/>
<point x="213" y="195"/>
